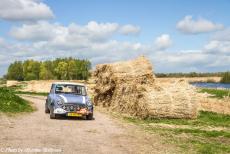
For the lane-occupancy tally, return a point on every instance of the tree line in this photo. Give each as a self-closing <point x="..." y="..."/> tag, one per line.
<point x="58" y="69"/>
<point x="191" y="74"/>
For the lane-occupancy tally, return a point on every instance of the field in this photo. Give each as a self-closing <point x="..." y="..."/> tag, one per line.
<point x="209" y="133"/>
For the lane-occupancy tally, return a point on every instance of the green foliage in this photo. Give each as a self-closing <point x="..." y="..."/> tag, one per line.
<point x="61" y="69"/>
<point x="31" y="70"/>
<point x="217" y="93"/>
<point x="225" y="78"/>
<point x="15" y="71"/>
<point x="44" y="73"/>
<point x="11" y="103"/>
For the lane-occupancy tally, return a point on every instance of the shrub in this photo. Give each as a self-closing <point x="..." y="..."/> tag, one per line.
<point x="11" y="103"/>
<point x="225" y="78"/>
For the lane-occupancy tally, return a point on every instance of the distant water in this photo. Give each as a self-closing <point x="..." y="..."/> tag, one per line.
<point x="211" y="85"/>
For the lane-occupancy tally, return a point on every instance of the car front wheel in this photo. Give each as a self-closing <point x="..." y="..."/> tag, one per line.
<point x="89" y="117"/>
<point x="47" y="110"/>
<point x="52" y="115"/>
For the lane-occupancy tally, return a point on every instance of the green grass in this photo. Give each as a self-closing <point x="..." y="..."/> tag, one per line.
<point x="204" y="119"/>
<point x="11" y="103"/>
<point x="194" y="136"/>
<point x="195" y="140"/>
<point x="17" y="90"/>
<point x="2" y="81"/>
<point x="217" y="93"/>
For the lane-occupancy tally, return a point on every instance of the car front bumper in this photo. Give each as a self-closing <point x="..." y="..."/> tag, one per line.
<point x="82" y="112"/>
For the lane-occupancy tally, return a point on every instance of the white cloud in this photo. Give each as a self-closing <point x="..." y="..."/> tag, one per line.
<point x="190" y="26"/>
<point x="219" y="43"/>
<point x="2" y="41"/>
<point x="163" y="42"/>
<point x="95" y="42"/>
<point x="94" y="31"/>
<point x="24" y="10"/>
<point x="36" y="32"/>
<point x="43" y="31"/>
<point x="218" y="47"/>
<point x="130" y="30"/>
<point x="223" y="35"/>
<point x="189" y="61"/>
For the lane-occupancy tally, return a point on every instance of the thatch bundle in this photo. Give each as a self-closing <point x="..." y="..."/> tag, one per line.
<point x="130" y="87"/>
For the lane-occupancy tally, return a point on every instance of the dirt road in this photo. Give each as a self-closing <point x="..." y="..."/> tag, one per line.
<point x="36" y="132"/>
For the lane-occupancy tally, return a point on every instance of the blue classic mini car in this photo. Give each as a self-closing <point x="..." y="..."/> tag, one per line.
<point x="68" y="99"/>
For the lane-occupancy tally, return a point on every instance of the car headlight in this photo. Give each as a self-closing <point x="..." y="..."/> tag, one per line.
<point x="59" y="101"/>
<point x="89" y="103"/>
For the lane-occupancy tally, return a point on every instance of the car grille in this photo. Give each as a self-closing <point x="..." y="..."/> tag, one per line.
<point x="73" y="107"/>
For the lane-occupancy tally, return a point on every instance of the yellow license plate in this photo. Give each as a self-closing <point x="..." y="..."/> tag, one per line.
<point x="74" y="115"/>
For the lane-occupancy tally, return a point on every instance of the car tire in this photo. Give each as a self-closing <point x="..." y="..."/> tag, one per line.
<point x="47" y="110"/>
<point x="89" y="117"/>
<point x="52" y="115"/>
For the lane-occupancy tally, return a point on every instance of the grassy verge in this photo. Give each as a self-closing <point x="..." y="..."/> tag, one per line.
<point x="11" y="103"/>
<point x="31" y="93"/>
<point x="17" y="90"/>
<point x="217" y="93"/>
<point x="192" y="140"/>
<point x="204" y="119"/>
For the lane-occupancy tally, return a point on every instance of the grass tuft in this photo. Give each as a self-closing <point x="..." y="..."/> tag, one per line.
<point x="11" y="103"/>
<point x="217" y="93"/>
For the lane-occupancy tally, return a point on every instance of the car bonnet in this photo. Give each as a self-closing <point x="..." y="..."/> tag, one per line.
<point x="71" y="98"/>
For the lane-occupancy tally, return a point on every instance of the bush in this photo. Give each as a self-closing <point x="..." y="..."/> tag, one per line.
<point x="11" y="103"/>
<point x="225" y="78"/>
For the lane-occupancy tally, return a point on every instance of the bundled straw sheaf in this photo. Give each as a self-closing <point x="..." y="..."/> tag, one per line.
<point x="131" y="88"/>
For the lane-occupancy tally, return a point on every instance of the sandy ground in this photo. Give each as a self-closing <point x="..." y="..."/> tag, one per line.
<point x="37" y="132"/>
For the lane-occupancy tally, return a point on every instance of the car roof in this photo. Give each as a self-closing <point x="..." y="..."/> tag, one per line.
<point x="70" y="83"/>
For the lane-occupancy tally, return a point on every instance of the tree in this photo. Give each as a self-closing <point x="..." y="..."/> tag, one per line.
<point x="72" y="67"/>
<point x="62" y="70"/>
<point x="31" y="70"/>
<point x="15" y="71"/>
<point x="45" y="73"/>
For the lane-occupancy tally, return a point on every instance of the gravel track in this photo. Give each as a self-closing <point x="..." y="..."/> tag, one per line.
<point x="36" y="132"/>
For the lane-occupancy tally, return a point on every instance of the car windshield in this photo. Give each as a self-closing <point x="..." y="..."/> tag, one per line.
<point x="70" y="89"/>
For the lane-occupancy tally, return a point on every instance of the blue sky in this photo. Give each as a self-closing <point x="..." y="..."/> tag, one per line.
<point x="176" y="35"/>
<point x="153" y="16"/>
